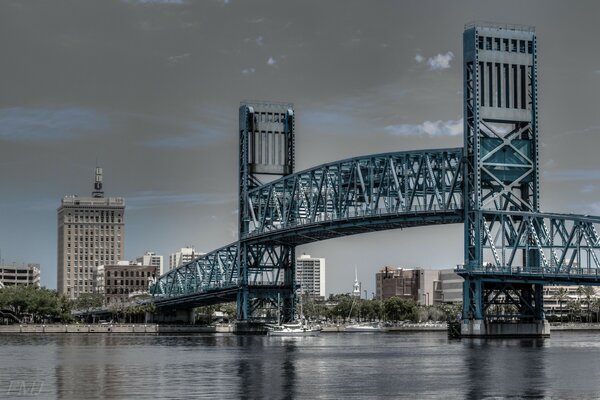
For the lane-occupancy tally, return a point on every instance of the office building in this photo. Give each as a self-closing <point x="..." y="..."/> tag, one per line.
<point x="424" y="286"/>
<point x="182" y="256"/>
<point x="20" y="274"/>
<point x="90" y="233"/>
<point x="121" y="281"/>
<point x="150" y="258"/>
<point x="310" y="276"/>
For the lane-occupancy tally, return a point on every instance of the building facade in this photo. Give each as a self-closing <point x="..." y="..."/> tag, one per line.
<point x="91" y="232"/>
<point x="119" y="282"/>
<point x="150" y="258"/>
<point x="20" y="275"/>
<point x="310" y="276"/>
<point x="182" y="256"/>
<point x="424" y="286"/>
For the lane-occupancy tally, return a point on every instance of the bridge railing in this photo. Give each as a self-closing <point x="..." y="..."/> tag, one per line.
<point x="371" y="186"/>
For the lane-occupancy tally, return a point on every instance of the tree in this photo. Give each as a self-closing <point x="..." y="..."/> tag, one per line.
<point x="397" y="309"/>
<point x="561" y="296"/>
<point x="88" y="301"/>
<point x="588" y="292"/>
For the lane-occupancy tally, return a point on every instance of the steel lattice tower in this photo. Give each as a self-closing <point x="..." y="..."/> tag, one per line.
<point x="502" y="163"/>
<point x="266" y="270"/>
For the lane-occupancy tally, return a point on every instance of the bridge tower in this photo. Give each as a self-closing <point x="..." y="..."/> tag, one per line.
<point x="266" y="270"/>
<point x="501" y="171"/>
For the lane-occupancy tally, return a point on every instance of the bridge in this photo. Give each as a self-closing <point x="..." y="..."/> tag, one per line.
<point x="491" y="185"/>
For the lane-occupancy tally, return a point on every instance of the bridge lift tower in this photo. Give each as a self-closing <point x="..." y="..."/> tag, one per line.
<point x="501" y="174"/>
<point x="266" y="270"/>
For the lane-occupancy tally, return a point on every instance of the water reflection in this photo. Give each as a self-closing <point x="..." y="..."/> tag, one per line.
<point x="417" y="365"/>
<point x="267" y="367"/>
<point x="506" y="367"/>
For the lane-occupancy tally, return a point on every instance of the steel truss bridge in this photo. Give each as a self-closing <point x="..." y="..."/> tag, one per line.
<point x="491" y="185"/>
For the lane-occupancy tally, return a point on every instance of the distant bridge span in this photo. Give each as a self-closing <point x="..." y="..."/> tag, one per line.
<point x="357" y="195"/>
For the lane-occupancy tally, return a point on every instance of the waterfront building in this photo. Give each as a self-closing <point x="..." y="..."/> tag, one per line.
<point x="310" y="276"/>
<point x="20" y="275"/>
<point x="151" y="258"/>
<point x="123" y="280"/>
<point x="182" y="256"/>
<point x="558" y="299"/>
<point x="425" y="286"/>
<point x="90" y="233"/>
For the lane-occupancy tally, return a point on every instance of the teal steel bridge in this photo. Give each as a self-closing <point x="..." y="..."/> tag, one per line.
<point x="491" y="185"/>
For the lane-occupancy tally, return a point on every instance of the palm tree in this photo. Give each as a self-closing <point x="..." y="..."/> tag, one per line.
<point x="588" y="292"/>
<point x="561" y="296"/>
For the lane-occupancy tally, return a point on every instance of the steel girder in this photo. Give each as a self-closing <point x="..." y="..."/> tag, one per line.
<point x="361" y="194"/>
<point x="212" y="272"/>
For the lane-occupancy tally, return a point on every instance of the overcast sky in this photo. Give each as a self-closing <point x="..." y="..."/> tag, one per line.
<point x="151" y="88"/>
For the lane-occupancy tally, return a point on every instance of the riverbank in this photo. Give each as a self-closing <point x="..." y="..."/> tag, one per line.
<point x="230" y="328"/>
<point x="114" y="328"/>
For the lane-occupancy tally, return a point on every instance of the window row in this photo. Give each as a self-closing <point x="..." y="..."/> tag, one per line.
<point x="503" y="44"/>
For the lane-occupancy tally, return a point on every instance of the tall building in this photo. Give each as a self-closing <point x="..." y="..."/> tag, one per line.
<point x="310" y="276"/>
<point x="182" y="256"/>
<point x="150" y="258"/>
<point x="20" y="274"/>
<point x="90" y="233"/>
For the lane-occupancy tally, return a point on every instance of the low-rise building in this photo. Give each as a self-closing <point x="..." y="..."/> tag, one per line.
<point x="120" y="282"/>
<point x="20" y="274"/>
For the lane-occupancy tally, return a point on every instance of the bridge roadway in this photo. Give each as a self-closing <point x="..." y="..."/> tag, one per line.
<point x="381" y="192"/>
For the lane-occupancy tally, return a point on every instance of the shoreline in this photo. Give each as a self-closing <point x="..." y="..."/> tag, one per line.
<point x="157" y="329"/>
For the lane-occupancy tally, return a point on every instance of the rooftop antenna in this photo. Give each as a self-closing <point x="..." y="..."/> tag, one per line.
<point x="98" y="192"/>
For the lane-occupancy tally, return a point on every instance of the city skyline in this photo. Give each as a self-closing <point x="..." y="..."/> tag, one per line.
<point x="154" y="99"/>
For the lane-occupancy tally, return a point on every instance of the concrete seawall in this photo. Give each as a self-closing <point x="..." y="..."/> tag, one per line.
<point x="113" y="328"/>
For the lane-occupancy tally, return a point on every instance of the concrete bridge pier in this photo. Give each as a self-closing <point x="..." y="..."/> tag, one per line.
<point x="484" y="329"/>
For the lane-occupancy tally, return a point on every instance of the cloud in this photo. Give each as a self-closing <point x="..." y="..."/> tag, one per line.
<point x="587" y="189"/>
<point x="153" y="199"/>
<point x="438" y="62"/>
<point x="570" y="175"/>
<point x="177" y="59"/>
<point x="259" y="40"/>
<point x="430" y="128"/>
<point x="52" y="123"/>
<point x="272" y="62"/>
<point x="248" y="71"/>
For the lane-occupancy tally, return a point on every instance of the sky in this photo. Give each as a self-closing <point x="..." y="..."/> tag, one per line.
<point x="150" y="90"/>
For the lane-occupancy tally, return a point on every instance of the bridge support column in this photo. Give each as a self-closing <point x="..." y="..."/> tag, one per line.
<point x="479" y="328"/>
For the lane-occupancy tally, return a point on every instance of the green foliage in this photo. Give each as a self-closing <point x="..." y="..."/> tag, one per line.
<point x="398" y="309"/>
<point x="38" y="303"/>
<point x="88" y="301"/>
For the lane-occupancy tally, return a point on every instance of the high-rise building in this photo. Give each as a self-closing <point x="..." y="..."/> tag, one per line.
<point x="150" y="258"/>
<point x="20" y="274"/>
<point x="310" y="276"/>
<point x="182" y="256"/>
<point x="90" y="233"/>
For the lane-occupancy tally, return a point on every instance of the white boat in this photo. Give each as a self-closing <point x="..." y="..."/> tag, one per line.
<point x="364" y="328"/>
<point x="292" y="330"/>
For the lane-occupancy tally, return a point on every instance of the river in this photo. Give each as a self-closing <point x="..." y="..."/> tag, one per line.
<point x="332" y="366"/>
